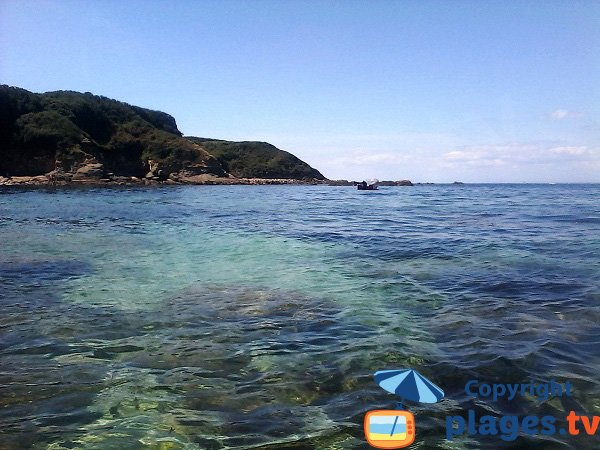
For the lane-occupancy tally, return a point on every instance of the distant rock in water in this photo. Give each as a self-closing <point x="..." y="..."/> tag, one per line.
<point x="378" y="183"/>
<point x="67" y="136"/>
<point x="395" y="183"/>
<point x="341" y="183"/>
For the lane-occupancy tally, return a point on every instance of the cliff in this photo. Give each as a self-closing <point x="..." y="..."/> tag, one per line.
<point x="70" y="136"/>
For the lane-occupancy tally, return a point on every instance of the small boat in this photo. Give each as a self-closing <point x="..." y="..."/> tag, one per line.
<point x="364" y="186"/>
<point x="367" y="187"/>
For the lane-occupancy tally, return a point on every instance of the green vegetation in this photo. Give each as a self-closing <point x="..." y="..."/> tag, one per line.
<point x="63" y="130"/>
<point x="42" y="131"/>
<point x="257" y="159"/>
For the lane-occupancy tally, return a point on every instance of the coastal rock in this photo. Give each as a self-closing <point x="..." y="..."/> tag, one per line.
<point x="90" y="169"/>
<point x="90" y="137"/>
<point x="395" y="183"/>
<point x="59" y="176"/>
<point x="340" y="183"/>
<point x="158" y="170"/>
<point x="24" y="180"/>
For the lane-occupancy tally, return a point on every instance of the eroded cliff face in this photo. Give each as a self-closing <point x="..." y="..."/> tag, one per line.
<point x="71" y="136"/>
<point x="76" y="136"/>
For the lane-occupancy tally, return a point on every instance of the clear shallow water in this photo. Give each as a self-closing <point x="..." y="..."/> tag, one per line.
<point x="239" y="317"/>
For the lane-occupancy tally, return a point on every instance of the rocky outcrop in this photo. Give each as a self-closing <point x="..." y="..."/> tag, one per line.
<point x="379" y="183"/>
<point x="341" y="183"/>
<point x="160" y="170"/>
<point x="66" y="137"/>
<point x="395" y="183"/>
<point x="91" y="169"/>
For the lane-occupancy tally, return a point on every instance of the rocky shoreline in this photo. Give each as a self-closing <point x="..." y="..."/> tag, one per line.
<point x="45" y="180"/>
<point x="204" y="179"/>
<point x="67" y="138"/>
<point x="91" y="172"/>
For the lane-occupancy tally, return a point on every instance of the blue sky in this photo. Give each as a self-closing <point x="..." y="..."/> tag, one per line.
<point x="476" y="91"/>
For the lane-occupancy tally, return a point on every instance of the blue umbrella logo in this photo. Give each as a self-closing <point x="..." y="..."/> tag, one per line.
<point x="410" y="385"/>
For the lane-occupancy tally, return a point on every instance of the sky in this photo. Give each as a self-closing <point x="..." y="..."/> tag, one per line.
<point x="431" y="91"/>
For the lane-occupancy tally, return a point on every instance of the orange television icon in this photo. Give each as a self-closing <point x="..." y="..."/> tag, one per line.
<point x="389" y="428"/>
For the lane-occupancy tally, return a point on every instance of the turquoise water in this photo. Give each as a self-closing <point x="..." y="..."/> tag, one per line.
<point x="210" y="317"/>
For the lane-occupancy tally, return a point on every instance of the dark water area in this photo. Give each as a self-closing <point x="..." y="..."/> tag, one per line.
<point x="213" y="317"/>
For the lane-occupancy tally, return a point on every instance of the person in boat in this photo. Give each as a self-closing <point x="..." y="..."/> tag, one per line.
<point x="364" y="186"/>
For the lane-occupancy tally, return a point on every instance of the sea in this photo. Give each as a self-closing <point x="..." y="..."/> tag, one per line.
<point x="255" y="317"/>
